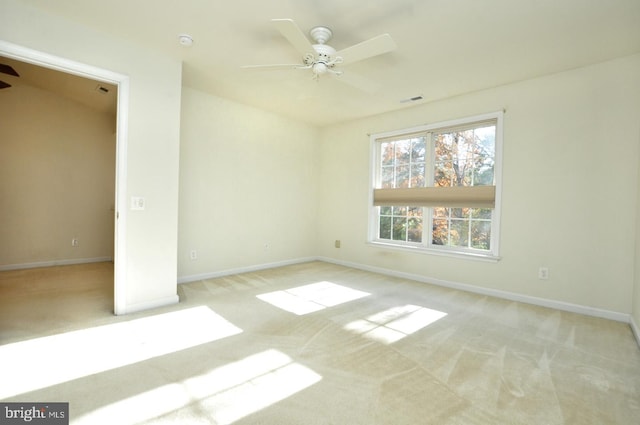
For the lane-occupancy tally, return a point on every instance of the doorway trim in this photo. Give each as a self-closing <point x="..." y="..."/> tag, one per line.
<point x="68" y="66"/>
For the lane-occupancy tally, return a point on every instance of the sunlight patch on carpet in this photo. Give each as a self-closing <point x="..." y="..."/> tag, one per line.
<point x="395" y="323"/>
<point x="42" y="362"/>
<point x="227" y="393"/>
<point x="313" y="297"/>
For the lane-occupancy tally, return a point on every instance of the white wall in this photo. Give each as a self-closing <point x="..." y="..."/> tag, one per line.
<point x="248" y="193"/>
<point x="569" y="187"/>
<point x="635" y="314"/>
<point x="569" y="194"/>
<point x="152" y="150"/>
<point x="57" y="179"/>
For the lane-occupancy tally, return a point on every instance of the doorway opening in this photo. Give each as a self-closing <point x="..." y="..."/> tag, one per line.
<point x="121" y="82"/>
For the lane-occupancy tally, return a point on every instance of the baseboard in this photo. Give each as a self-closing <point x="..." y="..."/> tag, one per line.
<point x="635" y="329"/>
<point x="228" y="272"/>
<point x="543" y="302"/>
<point x="54" y="263"/>
<point x="147" y="305"/>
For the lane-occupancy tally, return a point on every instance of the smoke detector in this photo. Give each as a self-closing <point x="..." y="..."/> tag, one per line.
<point x="185" y="40"/>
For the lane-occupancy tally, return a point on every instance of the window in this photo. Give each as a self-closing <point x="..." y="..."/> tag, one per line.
<point x="434" y="187"/>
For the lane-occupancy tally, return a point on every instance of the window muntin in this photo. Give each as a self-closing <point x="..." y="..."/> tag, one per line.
<point x="463" y="154"/>
<point x="402" y="163"/>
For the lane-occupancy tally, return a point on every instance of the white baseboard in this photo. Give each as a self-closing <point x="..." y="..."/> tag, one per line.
<point x="227" y="272"/>
<point x="54" y="263"/>
<point x="635" y="329"/>
<point x="543" y="302"/>
<point x="147" y="305"/>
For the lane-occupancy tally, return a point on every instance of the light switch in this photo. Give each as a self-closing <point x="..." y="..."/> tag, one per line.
<point x="137" y="203"/>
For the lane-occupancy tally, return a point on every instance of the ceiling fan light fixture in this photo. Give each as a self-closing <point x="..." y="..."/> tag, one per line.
<point x="319" y="68"/>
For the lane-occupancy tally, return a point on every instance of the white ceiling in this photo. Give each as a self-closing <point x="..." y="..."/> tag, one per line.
<point x="445" y="47"/>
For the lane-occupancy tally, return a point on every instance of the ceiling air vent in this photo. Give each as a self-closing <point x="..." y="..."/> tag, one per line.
<point x="102" y="89"/>
<point x="411" y="99"/>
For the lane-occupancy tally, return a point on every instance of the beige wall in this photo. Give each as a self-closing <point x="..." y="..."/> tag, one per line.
<point x="569" y="187"/>
<point x="148" y="256"/>
<point x="57" y="179"/>
<point x="247" y="187"/>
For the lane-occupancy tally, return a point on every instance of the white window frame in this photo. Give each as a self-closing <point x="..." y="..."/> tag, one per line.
<point x="426" y="247"/>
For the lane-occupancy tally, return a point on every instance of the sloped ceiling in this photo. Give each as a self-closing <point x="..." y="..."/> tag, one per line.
<point x="445" y="47"/>
<point x="97" y="95"/>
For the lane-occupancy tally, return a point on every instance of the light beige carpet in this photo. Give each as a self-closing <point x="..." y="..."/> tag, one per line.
<point x="317" y="343"/>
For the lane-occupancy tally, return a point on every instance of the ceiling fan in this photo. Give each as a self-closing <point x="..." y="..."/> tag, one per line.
<point x="6" y="69"/>
<point x="322" y="59"/>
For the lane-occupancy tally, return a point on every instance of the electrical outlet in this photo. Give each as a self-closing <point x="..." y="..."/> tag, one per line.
<point x="543" y="273"/>
<point x="75" y="242"/>
<point x="337" y="243"/>
<point x="266" y="246"/>
<point x="193" y="255"/>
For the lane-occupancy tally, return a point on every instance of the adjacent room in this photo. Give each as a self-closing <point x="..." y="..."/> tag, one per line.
<point x="298" y="212"/>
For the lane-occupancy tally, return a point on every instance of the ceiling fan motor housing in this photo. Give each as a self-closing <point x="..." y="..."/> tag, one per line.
<point x="320" y="34"/>
<point x="325" y="54"/>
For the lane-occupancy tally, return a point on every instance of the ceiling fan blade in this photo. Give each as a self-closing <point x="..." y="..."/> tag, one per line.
<point x="294" y="34"/>
<point x="6" y="69"/>
<point x="4" y="85"/>
<point x="361" y="83"/>
<point x="273" y="66"/>
<point x="372" y="47"/>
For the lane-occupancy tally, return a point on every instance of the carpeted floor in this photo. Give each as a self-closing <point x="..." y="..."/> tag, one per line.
<point x="313" y="343"/>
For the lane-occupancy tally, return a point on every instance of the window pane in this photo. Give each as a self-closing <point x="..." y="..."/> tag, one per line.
<point x="403" y="151"/>
<point x="415" y="212"/>
<point x="459" y="234"/>
<point x="484" y="155"/>
<point x="443" y="145"/>
<point x="417" y="175"/>
<point x="400" y="211"/>
<point x="399" y="228"/>
<point x="414" y="229"/>
<point x="464" y="143"/>
<point x="483" y="176"/>
<point x="460" y="212"/>
<point x="385" y="210"/>
<point x="481" y="234"/>
<point x="386" y="178"/>
<point x="484" y="213"/>
<point x="466" y="178"/>
<point x="440" y="212"/>
<point x="418" y="149"/>
<point x="385" y="228"/>
<point x="486" y="140"/>
<point x="440" y="234"/>
<point x="444" y="174"/>
<point x="386" y="153"/>
<point x="402" y="176"/>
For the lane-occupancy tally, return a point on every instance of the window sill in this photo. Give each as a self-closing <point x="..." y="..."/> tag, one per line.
<point x="442" y="253"/>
